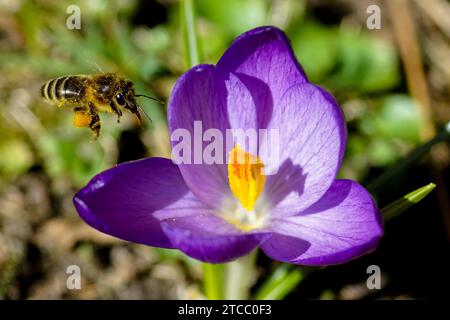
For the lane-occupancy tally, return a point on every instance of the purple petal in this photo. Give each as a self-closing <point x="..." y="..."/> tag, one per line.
<point x="209" y="238"/>
<point x="220" y="101"/>
<point x="128" y="201"/>
<point x="343" y="225"/>
<point x="312" y="143"/>
<point x="264" y="54"/>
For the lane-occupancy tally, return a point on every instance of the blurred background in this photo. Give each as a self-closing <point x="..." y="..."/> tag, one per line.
<point x="393" y="84"/>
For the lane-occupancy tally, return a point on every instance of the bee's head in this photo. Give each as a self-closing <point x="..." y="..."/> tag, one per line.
<point x="125" y="97"/>
<point x="122" y="95"/>
<point x="123" y="92"/>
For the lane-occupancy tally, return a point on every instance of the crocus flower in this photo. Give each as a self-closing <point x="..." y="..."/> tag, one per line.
<point x="218" y="212"/>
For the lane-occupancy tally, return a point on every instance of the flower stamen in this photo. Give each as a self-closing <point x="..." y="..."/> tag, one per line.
<point x="245" y="176"/>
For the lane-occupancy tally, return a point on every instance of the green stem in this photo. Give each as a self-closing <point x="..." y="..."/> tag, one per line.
<point x="239" y="277"/>
<point x="213" y="281"/>
<point x="192" y="52"/>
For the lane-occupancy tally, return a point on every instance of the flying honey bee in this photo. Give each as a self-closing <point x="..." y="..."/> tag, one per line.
<point x="90" y="94"/>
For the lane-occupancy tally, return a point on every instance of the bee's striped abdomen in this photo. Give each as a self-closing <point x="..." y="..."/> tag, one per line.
<point x="51" y="90"/>
<point x="63" y="88"/>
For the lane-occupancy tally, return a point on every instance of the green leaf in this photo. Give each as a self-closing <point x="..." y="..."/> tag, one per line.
<point x="283" y="280"/>
<point x="365" y="64"/>
<point x="381" y="152"/>
<point x="315" y="47"/>
<point x="394" y="117"/>
<point x="395" y="208"/>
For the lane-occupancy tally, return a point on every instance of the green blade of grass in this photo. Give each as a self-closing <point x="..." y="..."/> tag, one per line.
<point x="395" y="208"/>
<point x="282" y="281"/>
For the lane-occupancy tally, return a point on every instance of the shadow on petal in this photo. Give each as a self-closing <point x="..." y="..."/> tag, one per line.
<point x="329" y="200"/>
<point x="262" y="98"/>
<point x="343" y="225"/>
<point x="285" y="248"/>
<point x="289" y="179"/>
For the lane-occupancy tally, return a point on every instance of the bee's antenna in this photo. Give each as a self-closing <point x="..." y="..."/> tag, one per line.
<point x="145" y="113"/>
<point x="143" y="95"/>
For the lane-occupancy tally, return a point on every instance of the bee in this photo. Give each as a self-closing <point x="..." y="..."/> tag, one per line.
<point x="90" y="94"/>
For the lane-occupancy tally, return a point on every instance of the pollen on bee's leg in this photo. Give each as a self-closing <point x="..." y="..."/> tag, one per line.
<point x="81" y="119"/>
<point x="245" y="176"/>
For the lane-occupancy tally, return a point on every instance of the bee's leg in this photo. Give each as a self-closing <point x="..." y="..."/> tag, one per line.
<point x="94" y="125"/>
<point x="116" y="110"/>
